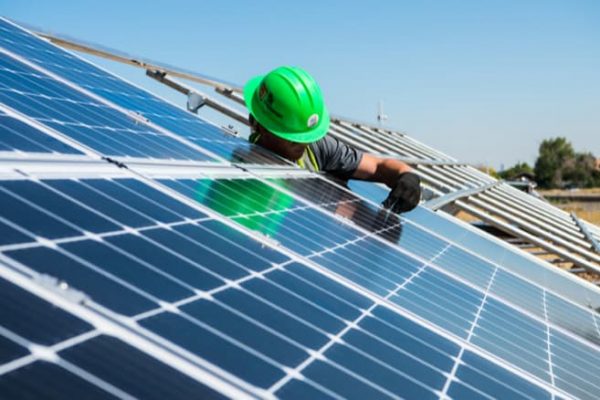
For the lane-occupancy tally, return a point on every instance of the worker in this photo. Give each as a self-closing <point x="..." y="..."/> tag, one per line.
<point x="288" y="116"/>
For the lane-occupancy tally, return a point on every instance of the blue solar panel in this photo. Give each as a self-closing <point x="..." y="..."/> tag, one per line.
<point x="132" y="98"/>
<point x="240" y="305"/>
<point x="18" y="135"/>
<point x="452" y="252"/>
<point x="511" y="259"/>
<point x="46" y="352"/>
<point x="291" y="288"/>
<point x="64" y="109"/>
<point x="416" y="284"/>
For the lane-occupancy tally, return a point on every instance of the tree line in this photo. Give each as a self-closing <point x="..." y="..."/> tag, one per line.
<point x="558" y="166"/>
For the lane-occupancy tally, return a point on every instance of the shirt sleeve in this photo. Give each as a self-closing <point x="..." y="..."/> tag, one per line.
<point x="336" y="157"/>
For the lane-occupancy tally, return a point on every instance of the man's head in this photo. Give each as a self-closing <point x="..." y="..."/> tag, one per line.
<point x="287" y="107"/>
<point x="292" y="151"/>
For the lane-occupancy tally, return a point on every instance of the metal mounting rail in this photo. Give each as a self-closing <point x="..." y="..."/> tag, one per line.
<point x="515" y="231"/>
<point x="588" y="235"/>
<point x="197" y="99"/>
<point x="437" y="203"/>
<point x="118" y="56"/>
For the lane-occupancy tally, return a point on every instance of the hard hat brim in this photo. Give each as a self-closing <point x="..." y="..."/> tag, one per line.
<point x="316" y="133"/>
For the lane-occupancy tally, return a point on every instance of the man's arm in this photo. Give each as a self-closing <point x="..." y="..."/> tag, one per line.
<point x="405" y="185"/>
<point x="383" y="170"/>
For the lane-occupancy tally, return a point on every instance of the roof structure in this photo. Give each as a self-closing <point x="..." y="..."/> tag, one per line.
<point x="145" y="252"/>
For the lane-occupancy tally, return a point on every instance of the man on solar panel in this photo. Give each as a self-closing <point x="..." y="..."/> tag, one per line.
<point x="288" y="116"/>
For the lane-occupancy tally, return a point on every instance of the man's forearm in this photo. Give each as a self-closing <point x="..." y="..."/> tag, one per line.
<point x="389" y="170"/>
<point x="384" y="170"/>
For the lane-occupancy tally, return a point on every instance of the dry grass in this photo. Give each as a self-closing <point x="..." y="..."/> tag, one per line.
<point x="554" y="192"/>
<point x="585" y="211"/>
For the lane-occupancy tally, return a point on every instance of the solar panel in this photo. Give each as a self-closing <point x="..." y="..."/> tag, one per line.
<point x="417" y="279"/>
<point x="84" y="119"/>
<point x="50" y="353"/>
<point x="134" y="99"/>
<point x="19" y="135"/>
<point x="215" y="281"/>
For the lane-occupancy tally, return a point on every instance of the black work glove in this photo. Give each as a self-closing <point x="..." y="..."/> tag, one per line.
<point x="405" y="195"/>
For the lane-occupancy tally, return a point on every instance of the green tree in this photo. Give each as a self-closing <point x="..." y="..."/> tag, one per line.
<point x="553" y="156"/>
<point x="516" y="170"/>
<point x="580" y="171"/>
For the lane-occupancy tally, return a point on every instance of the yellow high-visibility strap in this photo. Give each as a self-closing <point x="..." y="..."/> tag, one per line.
<point x="312" y="158"/>
<point x="254" y="138"/>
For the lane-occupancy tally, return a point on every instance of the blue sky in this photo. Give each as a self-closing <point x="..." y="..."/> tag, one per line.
<point x="484" y="81"/>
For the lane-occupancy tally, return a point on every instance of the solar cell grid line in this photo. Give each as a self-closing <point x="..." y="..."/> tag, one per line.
<point x="91" y="362"/>
<point x="488" y="334"/>
<point x="581" y="378"/>
<point x="509" y="207"/>
<point x="63" y="108"/>
<point x="548" y="343"/>
<point x="118" y="91"/>
<point x="452" y="375"/>
<point x="469" y="274"/>
<point x="579" y="321"/>
<point x="24" y="136"/>
<point x="520" y="263"/>
<point x="111" y="242"/>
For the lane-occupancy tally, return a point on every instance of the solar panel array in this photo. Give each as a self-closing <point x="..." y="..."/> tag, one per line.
<point x="174" y="273"/>
<point x="527" y="222"/>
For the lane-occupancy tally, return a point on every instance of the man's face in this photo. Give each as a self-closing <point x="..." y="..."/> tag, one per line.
<point x="290" y="150"/>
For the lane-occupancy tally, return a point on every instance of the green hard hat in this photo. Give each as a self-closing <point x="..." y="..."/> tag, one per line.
<point x="288" y="103"/>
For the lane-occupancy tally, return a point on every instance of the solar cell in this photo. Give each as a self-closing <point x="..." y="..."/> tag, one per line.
<point x="18" y="135"/>
<point x="46" y="352"/>
<point x="82" y="118"/>
<point x="413" y="279"/>
<point x="261" y="316"/>
<point x="137" y="100"/>
<point x="288" y="287"/>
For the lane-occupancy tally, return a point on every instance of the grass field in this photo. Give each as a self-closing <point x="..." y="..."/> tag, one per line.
<point x="587" y="211"/>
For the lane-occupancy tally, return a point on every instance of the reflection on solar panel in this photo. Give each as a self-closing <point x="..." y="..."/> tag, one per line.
<point x="18" y="135"/>
<point x="215" y="281"/>
<point x="136" y="100"/>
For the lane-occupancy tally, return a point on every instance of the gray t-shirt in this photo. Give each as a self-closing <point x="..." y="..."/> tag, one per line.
<point x="336" y="157"/>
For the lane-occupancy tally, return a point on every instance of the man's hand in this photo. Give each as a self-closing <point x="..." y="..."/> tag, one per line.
<point x="405" y="195"/>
